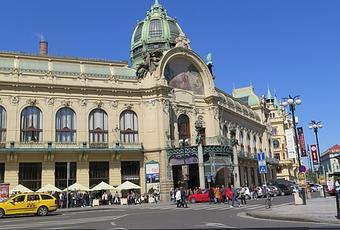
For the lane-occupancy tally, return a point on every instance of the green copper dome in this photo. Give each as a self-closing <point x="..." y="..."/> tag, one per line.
<point x="157" y="31"/>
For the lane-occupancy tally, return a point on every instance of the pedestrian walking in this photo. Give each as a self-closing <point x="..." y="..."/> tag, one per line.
<point x="243" y="195"/>
<point x="178" y="197"/>
<point x="211" y="195"/>
<point x="183" y="198"/>
<point x="235" y="197"/>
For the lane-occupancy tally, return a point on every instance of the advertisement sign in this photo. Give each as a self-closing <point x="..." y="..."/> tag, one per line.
<point x="302" y="179"/>
<point x="152" y="176"/>
<point x="314" y="152"/>
<point x="290" y="143"/>
<point x="185" y="172"/>
<point x="4" y="192"/>
<point x="302" y="144"/>
<point x="152" y="172"/>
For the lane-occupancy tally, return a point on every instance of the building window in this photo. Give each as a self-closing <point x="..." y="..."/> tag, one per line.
<point x="130" y="171"/>
<point x="183" y="128"/>
<point x="2" y="172"/>
<point x="241" y="138"/>
<point x="174" y="32"/>
<point x="276" y="144"/>
<point x="66" y="125"/>
<point x="30" y="175"/>
<point x="128" y="127"/>
<point x="31" y="125"/>
<point x="138" y="34"/>
<point x="3" y="124"/>
<point x="98" y="130"/>
<point x="99" y="171"/>
<point x="155" y="29"/>
<point x="274" y="131"/>
<point x="277" y="156"/>
<point x="61" y="174"/>
<point x="225" y="131"/>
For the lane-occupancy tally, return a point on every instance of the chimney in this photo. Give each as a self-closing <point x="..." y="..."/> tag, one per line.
<point x="43" y="47"/>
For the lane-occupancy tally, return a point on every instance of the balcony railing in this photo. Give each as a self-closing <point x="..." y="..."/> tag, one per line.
<point x="216" y="140"/>
<point x="68" y="146"/>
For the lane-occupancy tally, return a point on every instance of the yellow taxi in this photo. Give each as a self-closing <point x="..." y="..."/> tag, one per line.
<point x="28" y="203"/>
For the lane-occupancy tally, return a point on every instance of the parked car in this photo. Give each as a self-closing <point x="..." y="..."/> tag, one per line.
<point x="273" y="190"/>
<point x="331" y="192"/>
<point x="285" y="189"/>
<point x="204" y="197"/>
<point x="31" y="203"/>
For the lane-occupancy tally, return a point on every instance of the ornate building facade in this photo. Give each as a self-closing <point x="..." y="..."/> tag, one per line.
<point x="109" y="122"/>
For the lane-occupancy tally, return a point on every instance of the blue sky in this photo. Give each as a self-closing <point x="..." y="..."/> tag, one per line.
<point x="292" y="46"/>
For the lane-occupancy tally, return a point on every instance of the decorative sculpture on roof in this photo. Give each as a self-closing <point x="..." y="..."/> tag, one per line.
<point x="150" y="63"/>
<point x="182" y="41"/>
<point x="210" y="64"/>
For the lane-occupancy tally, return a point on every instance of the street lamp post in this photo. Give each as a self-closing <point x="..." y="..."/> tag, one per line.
<point x="316" y="126"/>
<point x="292" y="102"/>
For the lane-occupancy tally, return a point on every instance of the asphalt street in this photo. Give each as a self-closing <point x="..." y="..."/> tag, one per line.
<point x="160" y="216"/>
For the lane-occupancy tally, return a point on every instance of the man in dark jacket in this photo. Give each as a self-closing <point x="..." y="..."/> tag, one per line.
<point x="184" y="198"/>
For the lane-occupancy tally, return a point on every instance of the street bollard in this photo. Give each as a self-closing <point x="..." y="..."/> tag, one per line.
<point x="303" y="196"/>
<point x="324" y="190"/>
<point x="337" y="205"/>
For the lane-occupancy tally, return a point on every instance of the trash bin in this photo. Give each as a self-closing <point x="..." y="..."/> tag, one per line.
<point x="322" y="192"/>
<point x="300" y="197"/>
<point x="297" y="199"/>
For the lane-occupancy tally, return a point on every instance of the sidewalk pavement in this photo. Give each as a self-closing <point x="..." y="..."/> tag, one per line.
<point x="319" y="210"/>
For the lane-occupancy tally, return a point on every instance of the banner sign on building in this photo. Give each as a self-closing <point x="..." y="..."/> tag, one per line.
<point x="152" y="176"/>
<point x="4" y="192"/>
<point x="290" y="143"/>
<point x="302" y="144"/>
<point x="152" y="172"/>
<point x="314" y="152"/>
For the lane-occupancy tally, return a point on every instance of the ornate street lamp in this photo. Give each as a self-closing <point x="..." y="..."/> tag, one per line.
<point x="292" y="102"/>
<point x="316" y="126"/>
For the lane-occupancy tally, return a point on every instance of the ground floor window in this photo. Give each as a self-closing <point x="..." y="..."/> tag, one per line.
<point x="30" y="175"/>
<point x="99" y="171"/>
<point x="61" y="174"/>
<point x="130" y="171"/>
<point x="2" y="172"/>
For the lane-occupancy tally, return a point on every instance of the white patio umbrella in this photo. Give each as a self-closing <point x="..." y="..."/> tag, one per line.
<point x="76" y="187"/>
<point x="49" y="188"/>
<point x="20" y="188"/>
<point x="128" y="185"/>
<point x="102" y="186"/>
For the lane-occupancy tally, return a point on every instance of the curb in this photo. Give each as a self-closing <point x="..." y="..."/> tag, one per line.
<point x="273" y="217"/>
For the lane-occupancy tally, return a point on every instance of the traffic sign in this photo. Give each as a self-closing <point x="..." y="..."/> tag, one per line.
<point x="263" y="169"/>
<point x="262" y="163"/>
<point x="261" y="157"/>
<point x="302" y="169"/>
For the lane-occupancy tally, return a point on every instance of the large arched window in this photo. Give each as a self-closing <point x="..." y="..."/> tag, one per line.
<point x="98" y="130"/>
<point x="66" y="125"/>
<point x="183" y="128"/>
<point x="31" y="125"/>
<point x="3" y="124"/>
<point x="155" y="29"/>
<point x="128" y="127"/>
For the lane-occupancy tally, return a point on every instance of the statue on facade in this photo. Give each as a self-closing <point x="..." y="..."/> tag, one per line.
<point x="233" y="140"/>
<point x="199" y="127"/>
<point x="210" y="64"/>
<point x="182" y="41"/>
<point x="150" y="63"/>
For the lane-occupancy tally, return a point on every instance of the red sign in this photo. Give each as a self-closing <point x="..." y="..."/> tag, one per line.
<point x="302" y="142"/>
<point x="314" y="153"/>
<point x="4" y="191"/>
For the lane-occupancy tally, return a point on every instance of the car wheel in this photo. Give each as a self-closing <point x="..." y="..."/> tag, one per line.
<point x="275" y="194"/>
<point x="282" y="193"/>
<point x="2" y="213"/>
<point x="248" y="197"/>
<point x="193" y="200"/>
<point x="42" y="211"/>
